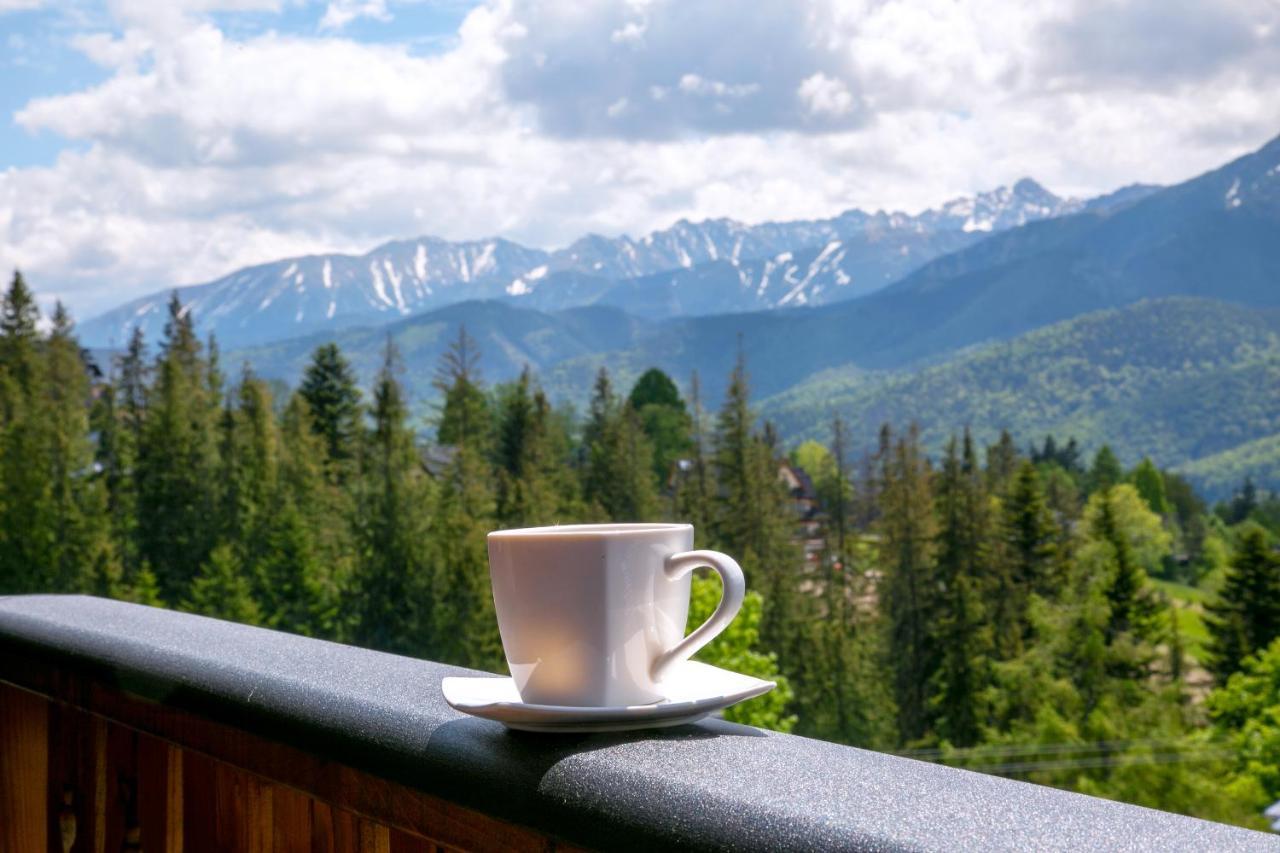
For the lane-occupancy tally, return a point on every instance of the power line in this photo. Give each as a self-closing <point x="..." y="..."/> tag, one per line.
<point x="1012" y="750"/>
<point x="1127" y="760"/>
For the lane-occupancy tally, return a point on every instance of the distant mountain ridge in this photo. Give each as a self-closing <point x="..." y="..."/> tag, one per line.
<point x="746" y="267"/>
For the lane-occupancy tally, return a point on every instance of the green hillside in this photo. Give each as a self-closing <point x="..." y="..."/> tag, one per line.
<point x="510" y="338"/>
<point x="1223" y="472"/>
<point x="1180" y="379"/>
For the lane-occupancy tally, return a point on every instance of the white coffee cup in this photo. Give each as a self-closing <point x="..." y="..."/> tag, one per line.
<point x="594" y="614"/>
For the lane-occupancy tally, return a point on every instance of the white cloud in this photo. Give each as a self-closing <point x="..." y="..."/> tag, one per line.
<point x="822" y="94"/>
<point x="342" y="12"/>
<point x="19" y="5"/>
<point x="203" y="151"/>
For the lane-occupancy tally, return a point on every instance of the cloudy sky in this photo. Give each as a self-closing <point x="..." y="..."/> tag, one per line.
<point x="147" y="143"/>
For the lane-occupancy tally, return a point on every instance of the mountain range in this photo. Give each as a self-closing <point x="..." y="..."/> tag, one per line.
<point x="713" y="266"/>
<point x="1211" y="238"/>
<point x="1143" y="318"/>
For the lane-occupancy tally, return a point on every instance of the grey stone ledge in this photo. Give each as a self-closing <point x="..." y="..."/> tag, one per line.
<point x="714" y="785"/>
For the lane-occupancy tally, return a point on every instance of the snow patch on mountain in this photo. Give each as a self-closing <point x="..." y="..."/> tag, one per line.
<point x="300" y="295"/>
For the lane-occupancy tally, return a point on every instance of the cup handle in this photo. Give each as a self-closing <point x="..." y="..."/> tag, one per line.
<point x="735" y="587"/>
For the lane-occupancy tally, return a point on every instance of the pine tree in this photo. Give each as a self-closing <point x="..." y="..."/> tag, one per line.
<point x="19" y="317"/>
<point x="909" y="533"/>
<point x="1245" y="618"/>
<point x="1027" y="558"/>
<point x="1134" y="622"/>
<point x="960" y="632"/>
<point x="1105" y="472"/>
<point x="838" y="661"/>
<point x="664" y="418"/>
<point x="222" y="590"/>
<point x="393" y="574"/>
<point x="1002" y="463"/>
<point x="618" y="480"/>
<point x="463" y="622"/>
<point x="84" y="558"/>
<point x="535" y="485"/>
<point x="753" y="520"/>
<point x="1149" y="482"/>
<point x="177" y="487"/>
<point x="464" y="418"/>
<point x="319" y="533"/>
<point x="694" y="487"/>
<point x="329" y="387"/>
<point x="27" y="537"/>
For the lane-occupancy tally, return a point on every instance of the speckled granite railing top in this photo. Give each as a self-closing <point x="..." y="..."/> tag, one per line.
<point x="713" y="785"/>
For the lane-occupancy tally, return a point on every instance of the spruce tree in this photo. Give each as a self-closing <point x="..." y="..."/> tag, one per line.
<point x="178" y="490"/>
<point x="84" y="558"/>
<point x="329" y="387"/>
<point x="19" y="316"/>
<point x="665" y="420"/>
<point x="464" y="418"/>
<point x="753" y="520"/>
<point x="1245" y="618"/>
<point x="392" y="582"/>
<point x="320" y="533"/>
<point x="1105" y="472"/>
<point x="909" y="533"/>
<point x="27" y="537"/>
<point x="1026" y="558"/>
<point x="694" y="486"/>
<point x="1002" y="463"/>
<point x="222" y="590"/>
<point x="1112" y="558"/>
<point x="960" y="631"/>
<point x="1149" y="482"/>
<point x="463" y="622"/>
<point x="618" y="480"/>
<point x="534" y="483"/>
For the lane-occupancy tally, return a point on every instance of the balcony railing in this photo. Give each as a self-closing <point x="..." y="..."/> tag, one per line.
<point x="129" y="728"/>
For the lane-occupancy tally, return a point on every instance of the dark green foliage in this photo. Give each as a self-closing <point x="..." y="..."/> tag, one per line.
<point x="534" y="484"/>
<point x="908" y="528"/>
<point x="222" y="590"/>
<point x="1246" y="616"/>
<point x="655" y="388"/>
<point x="1105" y="471"/>
<point x="464" y="417"/>
<point x="665" y="420"/>
<point x="956" y="707"/>
<point x="392" y="571"/>
<point x="18" y="318"/>
<point x="329" y="387"/>
<point x="1149" y="482"/>
<point x="618" y="477"/>
<point x="178" y="500"/>
<point x="463" y="625"/>
<point x="1026" y="561"/>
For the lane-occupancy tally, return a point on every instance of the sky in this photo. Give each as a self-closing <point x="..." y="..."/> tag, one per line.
<point x="151" y="143"/>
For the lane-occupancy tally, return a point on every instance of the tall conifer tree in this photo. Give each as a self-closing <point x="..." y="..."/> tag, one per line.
<point x="177" y="486"/>
<point x="393" y="574"/>
<point x="1245" y="617"/>
<point x="908" y="530"/>
<point x="329" y="387"/>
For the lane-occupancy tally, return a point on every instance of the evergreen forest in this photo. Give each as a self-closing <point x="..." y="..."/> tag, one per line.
<point x="1005" y="605"/>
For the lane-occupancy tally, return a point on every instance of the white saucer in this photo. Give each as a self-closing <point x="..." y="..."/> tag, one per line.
<point x="693" y="691"/>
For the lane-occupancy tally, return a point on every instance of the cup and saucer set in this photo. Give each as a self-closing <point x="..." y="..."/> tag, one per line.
<point x="592" y="618"/>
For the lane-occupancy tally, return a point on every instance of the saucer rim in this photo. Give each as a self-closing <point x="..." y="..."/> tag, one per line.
<point x="569" y="715"/>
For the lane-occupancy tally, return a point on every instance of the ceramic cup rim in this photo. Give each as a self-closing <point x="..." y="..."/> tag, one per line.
<point x="590" y="531"/>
